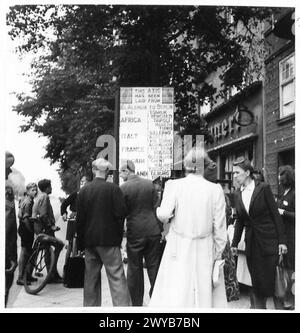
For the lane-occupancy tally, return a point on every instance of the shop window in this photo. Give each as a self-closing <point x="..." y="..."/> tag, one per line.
<point x="287" y="157"/>
<point x="287" y="86"/>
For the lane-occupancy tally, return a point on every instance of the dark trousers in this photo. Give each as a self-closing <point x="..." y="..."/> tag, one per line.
<point x="110" y="257"/>
<point x="260" y="302"/>
<point x="148" y="248"/>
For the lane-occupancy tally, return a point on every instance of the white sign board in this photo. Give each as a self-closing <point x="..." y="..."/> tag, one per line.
<point x="146" y="130"/>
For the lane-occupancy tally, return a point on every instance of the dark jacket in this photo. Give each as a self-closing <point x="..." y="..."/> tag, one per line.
<point x="70" y="201"/>
<point x="100" y="214"/>
<point x="263" y="222"/>
<point x="10" y="231"/>
<point x="141" y="200"/>
<point x="287" y="203"/>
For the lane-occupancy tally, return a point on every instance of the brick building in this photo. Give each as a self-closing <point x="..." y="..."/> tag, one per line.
<point x="279" y="95"/>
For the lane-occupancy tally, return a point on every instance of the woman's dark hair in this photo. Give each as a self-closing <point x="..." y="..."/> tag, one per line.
<point x="259" y="175"/>
<point x="43" y="184"/>
<point x="289" y="173"/>
<point x="244" y="164"/>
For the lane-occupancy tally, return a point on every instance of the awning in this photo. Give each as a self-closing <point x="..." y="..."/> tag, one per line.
<point x="250" y="136"/>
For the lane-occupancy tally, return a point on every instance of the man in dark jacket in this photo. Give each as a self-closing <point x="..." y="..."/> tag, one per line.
<point x="100" y="223"/>
<point x="143" y="231"/>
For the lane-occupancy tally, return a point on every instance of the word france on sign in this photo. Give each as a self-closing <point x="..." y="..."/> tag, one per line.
<point x="146" y="130"/>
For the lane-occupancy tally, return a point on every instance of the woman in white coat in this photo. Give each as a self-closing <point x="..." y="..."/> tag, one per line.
<point x="195" y="242"/>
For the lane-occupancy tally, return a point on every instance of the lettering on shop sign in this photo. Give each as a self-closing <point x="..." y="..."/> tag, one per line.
<point x="224" y="128"/>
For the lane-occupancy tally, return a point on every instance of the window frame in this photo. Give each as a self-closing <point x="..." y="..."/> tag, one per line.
<point x="283" y="83"/>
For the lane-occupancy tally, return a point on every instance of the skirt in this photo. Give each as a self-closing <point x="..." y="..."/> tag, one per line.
<point x="262" y="270"/>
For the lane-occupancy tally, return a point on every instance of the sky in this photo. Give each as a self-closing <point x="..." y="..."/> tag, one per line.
<point x="27" y="148"/>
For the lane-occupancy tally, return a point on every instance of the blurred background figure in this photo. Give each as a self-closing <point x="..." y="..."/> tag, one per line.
<point x="71" y="203"/>
<point x="286" y="208"/>
<point x="14" y="177"/>
<point x="258" y="175"/>
<point x="10" y="226"/>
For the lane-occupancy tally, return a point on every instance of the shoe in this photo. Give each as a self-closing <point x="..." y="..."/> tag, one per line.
<point x="289" y="307"/>
<point x="38" y="274"/>
<point x="20" y="282"/>
<point x="56" y="279"/>
<point x="32" y="279"/>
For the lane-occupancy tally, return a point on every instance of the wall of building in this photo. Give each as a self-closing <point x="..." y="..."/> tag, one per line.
<point x="279" y="133"/>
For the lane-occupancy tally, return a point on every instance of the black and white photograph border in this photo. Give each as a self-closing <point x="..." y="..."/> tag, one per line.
<point x="30" y="147"/>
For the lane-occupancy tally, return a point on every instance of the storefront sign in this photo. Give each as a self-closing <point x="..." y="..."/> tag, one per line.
<point x="146" y="130"/>
<point x="223" y="128"/>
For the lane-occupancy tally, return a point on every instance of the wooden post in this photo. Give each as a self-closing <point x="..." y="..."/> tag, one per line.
<point x="116" y="135"/>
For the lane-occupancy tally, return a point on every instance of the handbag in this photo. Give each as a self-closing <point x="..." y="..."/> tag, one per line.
<point x="282" y="279"/>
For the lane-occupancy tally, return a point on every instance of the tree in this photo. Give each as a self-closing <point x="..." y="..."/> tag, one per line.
<point x="84" y="53"/>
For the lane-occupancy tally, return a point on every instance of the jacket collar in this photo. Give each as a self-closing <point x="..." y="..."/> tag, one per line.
<point x="249" y="187"/>
<point x="258" y="187"/>
<point x="96" y="179"/>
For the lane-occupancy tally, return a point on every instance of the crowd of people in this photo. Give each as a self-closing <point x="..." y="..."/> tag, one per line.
<point x="194" y="263"/>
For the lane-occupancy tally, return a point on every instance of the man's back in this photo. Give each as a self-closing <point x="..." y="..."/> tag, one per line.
<point x="141" y="199"/>
<point x="42" y="208"/>
<point x="100" y="214"/>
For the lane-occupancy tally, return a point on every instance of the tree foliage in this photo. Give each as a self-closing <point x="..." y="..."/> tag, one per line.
<point x="84" y="53"/>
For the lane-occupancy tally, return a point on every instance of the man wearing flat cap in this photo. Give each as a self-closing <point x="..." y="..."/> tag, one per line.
<point x="143" y="231"/>
<point x="100" y="223"/>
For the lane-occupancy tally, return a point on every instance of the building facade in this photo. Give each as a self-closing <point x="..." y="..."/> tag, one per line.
<point x="279" y="95"/>
<point x="232" y="141"/>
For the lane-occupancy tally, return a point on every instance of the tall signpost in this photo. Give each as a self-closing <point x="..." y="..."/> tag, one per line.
<point x="146" y="117"/>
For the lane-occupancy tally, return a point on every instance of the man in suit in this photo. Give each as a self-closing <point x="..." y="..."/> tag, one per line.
<point x="264" y="235"/>
<point x="143" y="231"/>
<point x="100" y="222"/>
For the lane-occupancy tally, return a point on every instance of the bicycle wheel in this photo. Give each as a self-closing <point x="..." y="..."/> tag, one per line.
<point x="39" y="266"/>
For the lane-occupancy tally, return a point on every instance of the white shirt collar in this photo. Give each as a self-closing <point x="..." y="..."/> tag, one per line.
<point x="249" y="187"/>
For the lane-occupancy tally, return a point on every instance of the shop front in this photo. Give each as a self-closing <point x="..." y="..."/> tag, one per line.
<point x="231" y="140"/>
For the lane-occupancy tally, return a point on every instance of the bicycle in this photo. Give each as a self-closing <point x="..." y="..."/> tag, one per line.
<point x="42" y="262"/>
